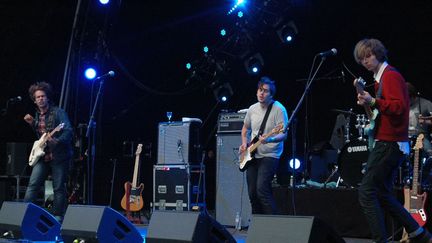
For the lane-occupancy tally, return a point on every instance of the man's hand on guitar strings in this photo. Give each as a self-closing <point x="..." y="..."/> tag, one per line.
<point x="364" y="98"/>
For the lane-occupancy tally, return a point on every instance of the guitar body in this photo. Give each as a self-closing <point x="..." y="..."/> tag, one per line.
<point x="370" y="129"/>
<point x="133" y="197"/>
<point x="245" y="157"/>
<point x="37" y="151"/>
<point x="416" y="206"/>
<point x="39" y="146"/>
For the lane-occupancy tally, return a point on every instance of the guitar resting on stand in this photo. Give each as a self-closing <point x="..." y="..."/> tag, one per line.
<point x="415" y="199"/>
<point x="132" y="201"/>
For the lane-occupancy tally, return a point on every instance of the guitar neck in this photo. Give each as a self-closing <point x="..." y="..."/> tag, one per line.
<point x="415" y="182"/>
<point x="135" y="175"/>
<point x="368" y="111"/>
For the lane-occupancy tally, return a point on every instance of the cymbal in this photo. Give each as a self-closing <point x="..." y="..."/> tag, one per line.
<point x="350" y="113"/>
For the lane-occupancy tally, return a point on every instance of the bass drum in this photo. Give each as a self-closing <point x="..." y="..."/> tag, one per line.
<point x="352" y="161"/>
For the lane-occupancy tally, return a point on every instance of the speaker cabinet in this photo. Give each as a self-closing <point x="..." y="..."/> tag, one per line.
<point x="178" y="143"/>
<point x="28" y="221"/>
<point x="290" y="229"/>
<point x="17" y="158"/>
<point x="231" y="187"/>
<point x="98" y="222"/>
<point x="185" y="227"/>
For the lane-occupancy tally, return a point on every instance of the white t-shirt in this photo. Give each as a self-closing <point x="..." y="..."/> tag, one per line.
<point x="253" y="120"/>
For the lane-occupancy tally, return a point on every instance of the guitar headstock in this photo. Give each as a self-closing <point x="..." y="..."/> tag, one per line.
<point x="139" y="149"/>
<point x="419" y="142"/>
<point x="360" y="84"/>
<point x="59" y="127"/>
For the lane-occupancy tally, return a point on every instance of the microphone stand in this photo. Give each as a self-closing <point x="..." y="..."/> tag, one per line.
<point x="91" y="149"/>
<point x="294" y="113"/>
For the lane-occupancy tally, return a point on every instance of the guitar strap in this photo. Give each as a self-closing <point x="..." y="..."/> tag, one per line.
<point x="261" y="130"/>
<point x="263" y="123"/>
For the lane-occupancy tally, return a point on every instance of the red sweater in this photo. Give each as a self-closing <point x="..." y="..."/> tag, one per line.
<point x="393" y="107"/>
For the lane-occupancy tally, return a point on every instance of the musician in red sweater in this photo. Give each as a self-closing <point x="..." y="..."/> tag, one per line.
<point x="391" y="143"/>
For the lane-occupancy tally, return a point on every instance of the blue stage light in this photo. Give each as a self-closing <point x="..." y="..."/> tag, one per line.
<point x="104" y="1"/>
<point x="188" y="66"/>
<point x="238" y="4"/>
<point x="223" y="32"/>
<point x="240" y="14"/>
<point x="90" y="73"/>
<point x="205" y="49"/>
<point x="254" y="64"/>
<point x="297" y="164"/>
<point x="287" y="32"/>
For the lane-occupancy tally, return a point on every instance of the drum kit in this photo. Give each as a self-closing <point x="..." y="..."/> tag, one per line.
<point x="353" y="155"/>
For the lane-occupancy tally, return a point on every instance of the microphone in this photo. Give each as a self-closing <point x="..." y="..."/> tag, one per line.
<point x="179" y="145"/>
<point x="331" y="52"/>
<point x="15" y="99"/>
<point x="108" y="74"/>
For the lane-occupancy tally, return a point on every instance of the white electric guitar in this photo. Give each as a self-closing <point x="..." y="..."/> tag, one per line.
<point x="246" y="156"/>
<point x="39" y="145"/>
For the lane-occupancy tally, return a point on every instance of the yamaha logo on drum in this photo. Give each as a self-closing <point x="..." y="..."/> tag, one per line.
<point x="354" y="149"/>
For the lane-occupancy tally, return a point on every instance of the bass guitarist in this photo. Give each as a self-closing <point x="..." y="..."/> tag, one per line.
<point x="391" y="147"/>
<point x="261" y="169"/>
<point x="58" y="150"/>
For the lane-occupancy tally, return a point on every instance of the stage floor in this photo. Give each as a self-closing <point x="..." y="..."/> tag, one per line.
<point x="241" y="236"/>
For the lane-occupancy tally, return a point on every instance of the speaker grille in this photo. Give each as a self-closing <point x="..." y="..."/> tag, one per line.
<point x="231" y="188"/>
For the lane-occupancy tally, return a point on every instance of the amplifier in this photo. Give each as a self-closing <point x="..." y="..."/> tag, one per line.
<point x="178" y="143"/>
<point x="230" y="122"/>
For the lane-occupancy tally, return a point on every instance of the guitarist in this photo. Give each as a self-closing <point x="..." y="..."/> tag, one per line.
<point x="261" y="169"/>
<point x="58" y="150"/>
<point x="391" y="147"/>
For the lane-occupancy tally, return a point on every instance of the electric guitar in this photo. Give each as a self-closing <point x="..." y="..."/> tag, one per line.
<point x="246" y="156"/>
<point x="132" y="200"/>
<point x="371" y="114"/>
<point x="39" y="145"/>
<point x="415" y="202"/>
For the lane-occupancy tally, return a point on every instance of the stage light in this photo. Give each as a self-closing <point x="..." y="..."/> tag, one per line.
<point x="223" y="92"/>
<point x="223" y="32"/>
<point x="188" y="66"/>
<point x="205" y="49"/>
<point x="240" y="14"/>
<point x="90" y="73"/>
<point x="104" y="1"/>
<point x="287" y="32"/>
<point x="297" y="164"/>
<point x="238" y="4"/>
<point x="254" y="64"/>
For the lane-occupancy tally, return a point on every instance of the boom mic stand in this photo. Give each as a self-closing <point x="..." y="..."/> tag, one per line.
<point x="91" y="129"/>
<point x="294" y="113"/>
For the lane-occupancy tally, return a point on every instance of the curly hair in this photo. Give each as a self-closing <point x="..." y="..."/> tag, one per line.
<point x="43" y="86"/>
<point x="367" y="47"/>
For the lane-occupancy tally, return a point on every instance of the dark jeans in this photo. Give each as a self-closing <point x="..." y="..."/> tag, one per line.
<point x="59" y="170"/>
<point x="259" y="175"/>
<point x="376" y="190"/>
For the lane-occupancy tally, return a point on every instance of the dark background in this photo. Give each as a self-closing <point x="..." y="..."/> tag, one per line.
<point x="148" y="43"/>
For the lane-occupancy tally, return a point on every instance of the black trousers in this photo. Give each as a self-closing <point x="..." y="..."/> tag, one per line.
<point x="376" y="190"/>
<point x="259" y="176"/>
